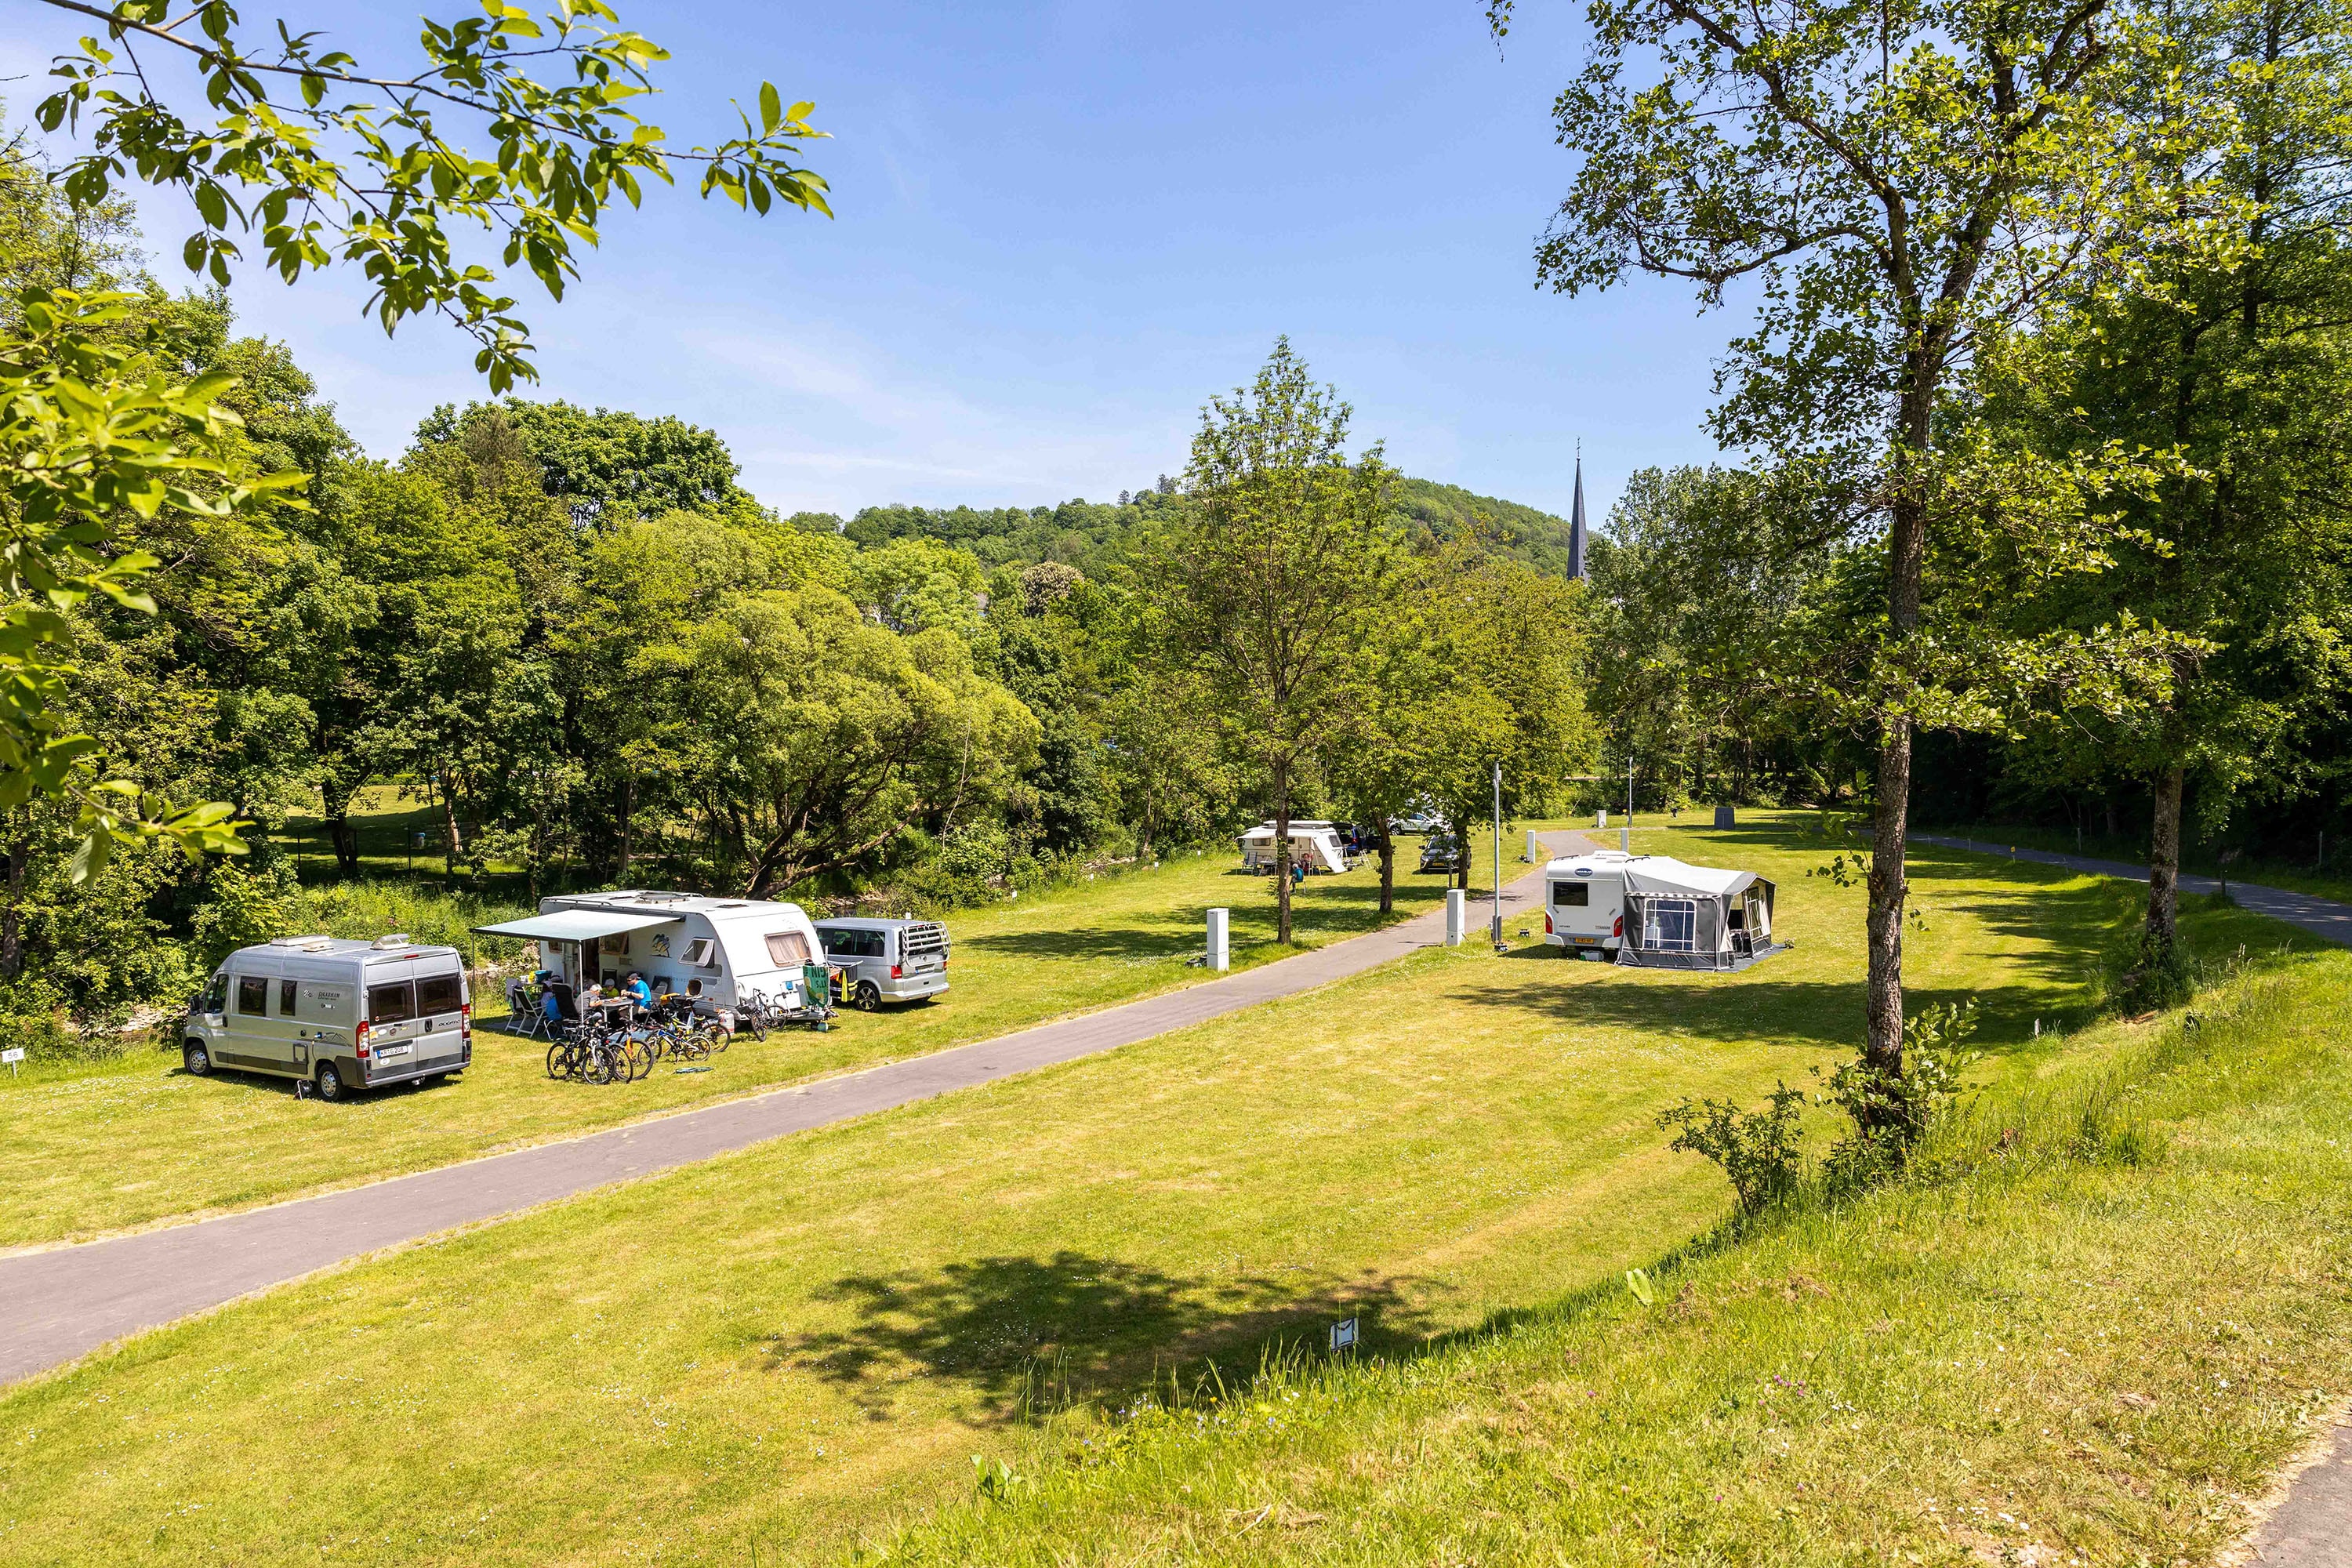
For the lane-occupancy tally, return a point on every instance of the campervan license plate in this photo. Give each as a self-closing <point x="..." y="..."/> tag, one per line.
<point x="385" y="1052"/>
<point x="1586" y="941"/>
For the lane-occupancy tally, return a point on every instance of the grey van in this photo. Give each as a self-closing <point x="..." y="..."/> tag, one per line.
<point x="344" y="1013"/>
<point x="886" y="961"/>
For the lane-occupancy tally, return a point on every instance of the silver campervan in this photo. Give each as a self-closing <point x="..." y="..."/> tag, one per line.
<point x="886" y="961"/>
<point x="343" y="1014"/>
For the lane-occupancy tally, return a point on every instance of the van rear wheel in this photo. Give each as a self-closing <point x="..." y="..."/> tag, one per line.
<point x="331" y="1082"/>
<point x="869" y="997"/>
<point x="197" y="1060"/>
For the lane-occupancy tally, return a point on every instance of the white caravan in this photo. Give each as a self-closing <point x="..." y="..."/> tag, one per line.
<point x="1314" y="844"/>
<point x="718" y="950"/>
<point x="1655" y="910"/>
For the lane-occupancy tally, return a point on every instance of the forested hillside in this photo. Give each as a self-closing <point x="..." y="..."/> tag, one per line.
<point x="1097" y="536"/>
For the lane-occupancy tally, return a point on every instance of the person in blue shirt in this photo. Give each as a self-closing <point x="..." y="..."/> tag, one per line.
<point x="639" y="992"/>
<point x="550" y="1003"/>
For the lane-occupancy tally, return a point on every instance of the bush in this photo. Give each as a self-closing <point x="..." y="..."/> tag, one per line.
<point x="2156" y="974"/>
<point x="1892" y="1113"/>
<point x="1757" y="1149"/>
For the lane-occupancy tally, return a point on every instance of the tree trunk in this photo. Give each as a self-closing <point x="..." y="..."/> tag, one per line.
<point x="12" y="930"/>
<point x="1282" y="853"/>
<point x="342" y="836"/>
<point x="1388" y="870"/>
<point x="628" y="811"/>
<point x="1883" y="1000"/>
<point x="1906" y="543"/>
<point x="2164" y="861"/>
<point x="452" y="844"/>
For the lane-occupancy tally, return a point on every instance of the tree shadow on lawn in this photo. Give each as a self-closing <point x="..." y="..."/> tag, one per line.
<point x="1344" y="910"/>
<point x="1028" y="1334"/>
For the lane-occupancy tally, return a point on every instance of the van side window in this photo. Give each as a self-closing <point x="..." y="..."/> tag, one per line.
<point x="285" y="998"/>
<point x="1572" y="895"/>
<point x="437" y="993"/>
<point x="253" y="995"/>
<point x="392" y="1004"/>
<point x="787" y="949"/>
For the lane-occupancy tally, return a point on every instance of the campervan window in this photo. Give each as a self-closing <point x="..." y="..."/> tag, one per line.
<point x="787" y="949"/>
<point x="215" y="996"/>
<point x="392" y="1004"/>
<point x="438" y="994"/>
<point x="701" y="953"/>
<point x="285" y="998"/>
<point x="1671" y="925"/>
<point x="253" y="995"/>
<point x="1572" y="895"/>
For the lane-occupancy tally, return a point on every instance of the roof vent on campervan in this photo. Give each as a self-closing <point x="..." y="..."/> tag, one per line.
<point x="303" y="943"/>
<point x="392" y="940"/>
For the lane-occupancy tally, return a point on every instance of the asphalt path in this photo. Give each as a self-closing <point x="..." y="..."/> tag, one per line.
<point x="62" y="1303"/>
<point x="2321" y="916"/>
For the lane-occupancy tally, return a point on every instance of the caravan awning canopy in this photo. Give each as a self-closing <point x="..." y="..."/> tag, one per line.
<point x="1659" y="873"/>
<point x="574" y="925"/>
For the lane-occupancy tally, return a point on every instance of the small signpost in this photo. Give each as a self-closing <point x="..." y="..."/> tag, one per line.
<point x="12" y="1056"/>
<point x="1343" y="1335"/>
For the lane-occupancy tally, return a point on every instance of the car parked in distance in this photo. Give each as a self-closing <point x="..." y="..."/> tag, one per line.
<point x="344" y="1015"/>
<point x="1418" y="822"/>
<point x="1443" y="852"/>
<point x="885" y="960"/>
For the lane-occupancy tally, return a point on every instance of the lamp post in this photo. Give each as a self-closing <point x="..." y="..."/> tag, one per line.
<point x="1625" y="829"/>
<point x="1497" y="923"/>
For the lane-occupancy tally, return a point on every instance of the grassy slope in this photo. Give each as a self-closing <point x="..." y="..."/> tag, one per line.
<point x="177" y="1145"/>
<point x="801" y="1343"/>
<point x="2046" y="1359"/>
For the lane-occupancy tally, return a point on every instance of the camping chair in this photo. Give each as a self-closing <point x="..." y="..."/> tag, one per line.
<point x="524" y="1015"/>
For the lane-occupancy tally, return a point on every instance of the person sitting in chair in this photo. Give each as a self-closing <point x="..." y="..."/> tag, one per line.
<point x="638" y="991"/>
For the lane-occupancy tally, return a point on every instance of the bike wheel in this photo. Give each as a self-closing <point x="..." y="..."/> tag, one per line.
<point x="556" y="1064"/>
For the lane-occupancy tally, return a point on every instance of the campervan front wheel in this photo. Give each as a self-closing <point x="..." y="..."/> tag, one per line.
<point x="331" y="1082"/>
<point x="195" y="1059"/>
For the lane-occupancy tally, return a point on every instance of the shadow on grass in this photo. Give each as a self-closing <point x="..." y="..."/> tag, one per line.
<point x="1028" y="1334"/>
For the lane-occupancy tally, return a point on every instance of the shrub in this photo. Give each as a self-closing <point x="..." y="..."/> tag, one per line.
<point x="1758" y="1150"/>
<point x="2156" y="974"/>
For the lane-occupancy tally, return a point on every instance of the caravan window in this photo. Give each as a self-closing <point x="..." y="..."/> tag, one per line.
<point x="285" y="998"/>
<point x="253" y="995"/>
<point x="701" y="953"/>
<point x="787" y="949"/>
<point x="1572" y="895"/>
<point x="1671" y="925"/>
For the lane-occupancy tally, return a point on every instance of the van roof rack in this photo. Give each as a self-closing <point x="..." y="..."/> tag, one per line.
<point x="392" y="939"/>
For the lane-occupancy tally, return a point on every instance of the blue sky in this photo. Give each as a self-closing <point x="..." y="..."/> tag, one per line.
<point x="1060" y="228"/>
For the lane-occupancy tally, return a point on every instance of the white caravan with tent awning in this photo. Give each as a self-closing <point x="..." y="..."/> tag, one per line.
<point x="1658" y="911"/>
<point x="1314" y="844"/>
<point x="718" y="949"/>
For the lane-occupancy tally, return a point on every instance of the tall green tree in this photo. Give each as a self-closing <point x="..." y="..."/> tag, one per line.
<point x="1900" y="182"/>
<point x="1268" y="579"/>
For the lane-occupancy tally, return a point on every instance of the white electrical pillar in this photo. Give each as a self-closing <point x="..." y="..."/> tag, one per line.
<point x="1221" y="939"/>
<point x="1456" y="916"/>
<point x="1531" y="846"/>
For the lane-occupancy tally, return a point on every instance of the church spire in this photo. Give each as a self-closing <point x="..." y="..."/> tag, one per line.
<point x="1576" y="524"/>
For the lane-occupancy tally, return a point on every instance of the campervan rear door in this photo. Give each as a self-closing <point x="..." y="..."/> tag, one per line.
<point x="440" y="1011"/>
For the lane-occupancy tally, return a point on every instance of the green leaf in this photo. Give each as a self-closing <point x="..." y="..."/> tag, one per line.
<point x="772" y="107"/>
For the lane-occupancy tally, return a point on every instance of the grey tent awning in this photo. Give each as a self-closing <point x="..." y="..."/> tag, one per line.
<point x="574" y="925"/>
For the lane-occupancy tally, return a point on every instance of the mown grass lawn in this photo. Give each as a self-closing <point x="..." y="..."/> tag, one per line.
<point x="2066" y="1349"/>
<point x="803" y="1344"/>
<point x="136" y="1139"/>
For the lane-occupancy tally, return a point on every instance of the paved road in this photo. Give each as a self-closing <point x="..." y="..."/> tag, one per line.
<point x="62" y="1303"/>
<point x="2321" y="916"/>
<point x="2312" y="1527"/>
